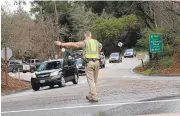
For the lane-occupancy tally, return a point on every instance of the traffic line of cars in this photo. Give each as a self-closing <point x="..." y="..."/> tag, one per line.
<point x="23" y="66"/>
<point x="117" y="57"/>
<point x="58" y="71"/>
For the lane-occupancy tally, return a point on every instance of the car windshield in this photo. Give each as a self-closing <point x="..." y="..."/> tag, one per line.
<point x="49" y="66"/>
<point x="114" y="54"/>
<point x="129" y="50"/>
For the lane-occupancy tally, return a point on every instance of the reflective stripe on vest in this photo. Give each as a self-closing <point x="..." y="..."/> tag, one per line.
<point x="91" y="49"/>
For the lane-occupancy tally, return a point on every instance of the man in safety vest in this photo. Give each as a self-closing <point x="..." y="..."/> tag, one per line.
<point x="91" y="49"/>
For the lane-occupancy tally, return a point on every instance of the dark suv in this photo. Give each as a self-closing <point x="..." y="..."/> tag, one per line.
<point x="55" y="72"/>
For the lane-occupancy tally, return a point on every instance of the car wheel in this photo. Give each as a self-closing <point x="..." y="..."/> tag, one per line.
<point x="101" y="66"/>
<point x="76" y="77"/>
<point x="15" y="70"/>
<point x="24" y="71"/>
<point x="104" y="65"/>
<point x="124" y="56"/>
<point x="51" y="86"/>
<point x="35" y="87"/>
<point x="62" y="82"/>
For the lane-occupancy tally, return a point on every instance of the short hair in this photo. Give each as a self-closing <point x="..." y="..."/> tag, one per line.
<point x="88" y="33"/>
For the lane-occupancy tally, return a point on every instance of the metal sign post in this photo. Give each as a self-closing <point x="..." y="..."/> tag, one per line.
<point x="6" y="54"/>
<point x="18" y="74"/>
<point x="141" y="56"/>
<point x="6" y="64"/>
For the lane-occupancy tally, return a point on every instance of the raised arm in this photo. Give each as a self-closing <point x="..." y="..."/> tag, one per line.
<point x="70" y="44"/>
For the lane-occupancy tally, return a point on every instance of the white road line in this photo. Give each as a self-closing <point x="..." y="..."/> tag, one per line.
<point x="136" y="77"/>
<point x="86" y="106"/>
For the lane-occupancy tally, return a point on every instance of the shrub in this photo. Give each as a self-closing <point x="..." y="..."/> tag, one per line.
<point x="148" y="71"/>
<point x="166" y="62"/>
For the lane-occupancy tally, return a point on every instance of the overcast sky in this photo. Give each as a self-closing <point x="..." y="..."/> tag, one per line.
<point x="13" y="7"/>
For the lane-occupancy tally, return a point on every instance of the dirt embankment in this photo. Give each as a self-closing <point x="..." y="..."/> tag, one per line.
<point x="173" y="69"/>
<point x="13" y="84"/>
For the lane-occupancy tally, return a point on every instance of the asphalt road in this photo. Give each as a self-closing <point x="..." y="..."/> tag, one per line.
<point x="121" y="92"/>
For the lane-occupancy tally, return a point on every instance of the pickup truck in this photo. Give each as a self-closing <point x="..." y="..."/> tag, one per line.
<point x="19" y="65"/>
<point x="35" y="63"/>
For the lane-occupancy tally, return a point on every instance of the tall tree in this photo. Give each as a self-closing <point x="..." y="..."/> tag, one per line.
<point x="47" y="7"/>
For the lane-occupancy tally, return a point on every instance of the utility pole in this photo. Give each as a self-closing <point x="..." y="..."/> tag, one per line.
<point x="56" y="28"/>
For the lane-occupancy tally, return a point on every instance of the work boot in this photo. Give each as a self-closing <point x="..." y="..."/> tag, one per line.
<point x="91" y="100"/>
<point x="88" y="98"/>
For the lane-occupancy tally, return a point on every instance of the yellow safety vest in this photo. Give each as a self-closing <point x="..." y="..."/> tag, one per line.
<point x="91" y="48"/>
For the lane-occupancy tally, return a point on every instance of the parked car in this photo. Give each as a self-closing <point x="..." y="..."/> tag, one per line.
<point x="115" y="57"/>
<point x="22" y="66"/>
<point x="55" y="72"/>
<point x="34" y="62"/>
<point x="80" y="65"/>
<point x="130" y="53"/>
<point x="102" y="60"/>
<point x="15" y="65"/>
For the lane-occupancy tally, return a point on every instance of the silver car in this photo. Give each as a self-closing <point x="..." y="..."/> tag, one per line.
<point x="115" y="57"/>
<point x="130" y="53"/>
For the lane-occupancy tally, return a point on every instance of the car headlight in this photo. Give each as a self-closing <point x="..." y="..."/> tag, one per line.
<point x="54" y="73"/>
<point x="77" y="66"/>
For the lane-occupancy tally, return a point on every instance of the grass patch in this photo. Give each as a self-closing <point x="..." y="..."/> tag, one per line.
<point x="148" y="71"/>
<point x="166" y="62"/>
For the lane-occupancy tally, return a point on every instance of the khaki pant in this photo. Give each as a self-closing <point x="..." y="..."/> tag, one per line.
<point x="92" y="70"/>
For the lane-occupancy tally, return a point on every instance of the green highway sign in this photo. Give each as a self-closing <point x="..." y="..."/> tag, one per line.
<point x="155" y="43"/>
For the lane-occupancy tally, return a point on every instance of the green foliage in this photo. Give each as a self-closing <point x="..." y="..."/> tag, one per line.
<point x="113" y="27"/>
<point x="117" y="8"/>
<point x="176" y="41"/>
<point x="167" y="51"/>
<point x="166" y="62"/>
<point x="148" y="71"/>
<point x="96" y="6"/>
<point x="81" y="20"/>
<point x="47" y="7"/>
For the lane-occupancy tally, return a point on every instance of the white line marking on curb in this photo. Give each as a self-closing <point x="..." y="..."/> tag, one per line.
<point x="100" y="105"/>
